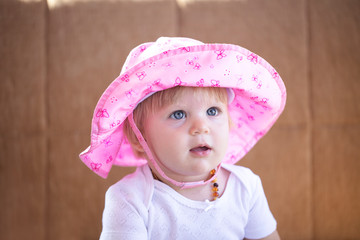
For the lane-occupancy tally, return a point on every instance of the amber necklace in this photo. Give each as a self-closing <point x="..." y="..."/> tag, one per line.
<point x="214" y="187"/>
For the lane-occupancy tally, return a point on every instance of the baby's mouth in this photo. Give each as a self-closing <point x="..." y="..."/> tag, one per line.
<point x="200" y="149"/>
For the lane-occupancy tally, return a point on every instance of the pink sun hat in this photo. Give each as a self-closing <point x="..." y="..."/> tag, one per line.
<point x="258" y="95"/>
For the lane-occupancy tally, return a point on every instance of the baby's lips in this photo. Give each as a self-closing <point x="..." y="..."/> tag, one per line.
<point x="200" y="148"/>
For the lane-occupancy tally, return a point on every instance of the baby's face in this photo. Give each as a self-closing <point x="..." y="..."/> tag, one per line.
<point x="189" y="137"/>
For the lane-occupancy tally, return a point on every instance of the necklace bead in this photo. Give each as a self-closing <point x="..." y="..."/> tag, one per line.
<point x="215" y="189"/>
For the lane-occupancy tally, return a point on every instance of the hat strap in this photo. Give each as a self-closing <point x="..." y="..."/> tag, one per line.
<point x="182" y="185"/>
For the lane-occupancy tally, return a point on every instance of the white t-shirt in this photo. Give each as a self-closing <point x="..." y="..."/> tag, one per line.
<point x="139" y="207"/>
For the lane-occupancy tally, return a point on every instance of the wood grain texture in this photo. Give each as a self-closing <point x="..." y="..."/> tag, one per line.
<point x="23" y="187"/>
<point x="23" y="67"/>
<point x="335" y="60"/>
<point x="336" y="182"/>
<point x="335" y="74"/>
<point x="23" y="121"/>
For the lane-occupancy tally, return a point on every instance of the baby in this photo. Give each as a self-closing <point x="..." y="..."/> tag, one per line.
<point x="184" y="112"/>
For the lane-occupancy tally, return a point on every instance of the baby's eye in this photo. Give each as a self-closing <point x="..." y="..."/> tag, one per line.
<point x="178" y="114"/>
<point x="213" y="111"/>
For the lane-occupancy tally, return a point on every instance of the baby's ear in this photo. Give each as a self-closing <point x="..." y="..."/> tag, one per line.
<point x="138" y="150"/>
<point x="137" y="147"/>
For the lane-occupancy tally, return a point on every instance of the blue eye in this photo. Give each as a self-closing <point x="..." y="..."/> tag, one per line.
<point x="178" y="114"/>
<point x="212" y="111"/>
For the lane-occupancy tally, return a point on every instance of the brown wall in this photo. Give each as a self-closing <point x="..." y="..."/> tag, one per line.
<point x="55" y="61"/>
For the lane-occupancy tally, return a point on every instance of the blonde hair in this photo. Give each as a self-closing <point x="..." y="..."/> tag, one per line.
<point x="161" y="99"/>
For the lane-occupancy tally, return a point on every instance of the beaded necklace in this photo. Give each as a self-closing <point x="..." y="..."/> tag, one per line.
<point x="215" y="185"/>
<point x="215" y="188"/>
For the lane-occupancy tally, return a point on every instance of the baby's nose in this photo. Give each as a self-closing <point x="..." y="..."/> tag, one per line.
<point x="199" y="126"/>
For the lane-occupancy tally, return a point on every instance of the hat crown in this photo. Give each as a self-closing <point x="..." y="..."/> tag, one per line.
<point x="150" y="49"/>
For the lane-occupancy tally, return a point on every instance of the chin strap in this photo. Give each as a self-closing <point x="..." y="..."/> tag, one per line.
<point x="151" y="158"/>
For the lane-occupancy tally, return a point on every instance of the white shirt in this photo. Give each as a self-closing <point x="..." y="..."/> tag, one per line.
<point x="138" y="207"/>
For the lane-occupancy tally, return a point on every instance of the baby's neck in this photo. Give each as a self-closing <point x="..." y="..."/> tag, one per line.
<point x="205" y="192"/>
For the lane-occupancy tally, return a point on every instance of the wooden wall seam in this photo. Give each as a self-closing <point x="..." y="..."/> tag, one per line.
<point x="47" y="112"/>
<point x="311" y="113"/>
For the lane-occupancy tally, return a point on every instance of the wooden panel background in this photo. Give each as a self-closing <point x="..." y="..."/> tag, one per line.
<point x="58" y="56"/>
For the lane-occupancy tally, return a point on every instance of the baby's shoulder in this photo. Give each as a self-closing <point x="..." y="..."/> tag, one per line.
<point x="244" y="176"/>
<point x="135" y="188"/>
